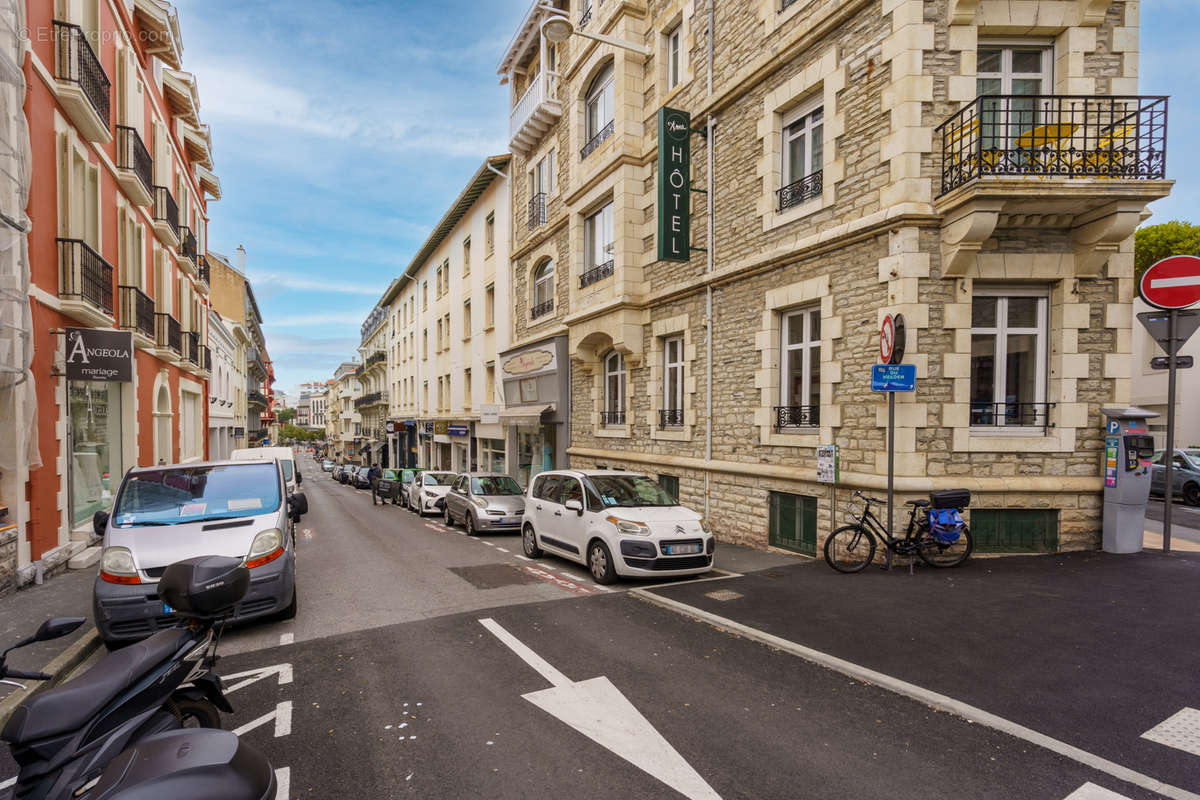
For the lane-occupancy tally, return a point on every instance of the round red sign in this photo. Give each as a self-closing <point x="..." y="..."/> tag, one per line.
<point x="1172" y="283"/>
<point x="887" y="339"/>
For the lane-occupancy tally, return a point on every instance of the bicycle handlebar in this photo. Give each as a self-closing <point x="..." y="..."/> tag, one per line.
<point x="870" y="499"/>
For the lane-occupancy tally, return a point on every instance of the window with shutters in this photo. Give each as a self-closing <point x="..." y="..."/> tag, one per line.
<point x="793" y="522"/>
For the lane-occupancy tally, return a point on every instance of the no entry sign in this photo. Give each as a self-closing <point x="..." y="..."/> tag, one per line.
<point x="1172" y="283"/>
<point x="887" y="339"/>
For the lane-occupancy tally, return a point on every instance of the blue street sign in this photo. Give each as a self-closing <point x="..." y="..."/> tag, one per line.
<point x="1114" y="426"/>
<point x="894" y="378"/>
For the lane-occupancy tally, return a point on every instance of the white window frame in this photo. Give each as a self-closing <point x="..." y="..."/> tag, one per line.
<point x="541" y="176"/>
<point x="1001" y="333"/>
<point x="804" y="113"/>
<point x="598" y="107"/>
<point x="1006" y="74"/>
<point x="673" y="365"/>
<point x="672" y="50"/>
<point x="598" y="250"/>
<point x="811" y="348"/>
<point x="543" y="282"/>
<point x="614" y="367"/>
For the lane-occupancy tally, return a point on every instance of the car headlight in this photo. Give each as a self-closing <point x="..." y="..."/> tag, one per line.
<point x="116" y="566"/>
<point x="629" y="526"/>
<point x="479" y="501"/>
<point x="266" y="547"/>
<point x="704" y="526"/>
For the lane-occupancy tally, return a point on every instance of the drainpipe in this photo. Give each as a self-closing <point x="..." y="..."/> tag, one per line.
<point x="710" y="128"/>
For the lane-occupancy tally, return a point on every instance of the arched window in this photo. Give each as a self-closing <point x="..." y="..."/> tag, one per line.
<point x="543" y="289"/>
<point x="614" y="389"/>
<point x="599" y="100"/>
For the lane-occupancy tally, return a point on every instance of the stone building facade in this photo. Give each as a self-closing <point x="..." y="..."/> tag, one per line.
<point x="977" y="166"/>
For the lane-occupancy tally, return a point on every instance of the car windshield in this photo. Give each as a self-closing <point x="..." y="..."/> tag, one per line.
<point x="176" y="495"/>
<point x="494" y="486"/>
<point x="438" y="478"/>
<point x="631" y="490"/>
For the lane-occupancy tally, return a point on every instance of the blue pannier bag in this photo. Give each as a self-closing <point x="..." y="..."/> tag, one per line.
<point x="946" y="525"/>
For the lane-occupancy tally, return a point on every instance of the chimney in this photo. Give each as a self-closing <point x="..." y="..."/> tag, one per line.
<point x="241" y="259"/>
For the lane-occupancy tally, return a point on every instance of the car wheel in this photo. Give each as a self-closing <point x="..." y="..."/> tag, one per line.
<point x="290" y="611"/>
<point x="600" y="563"/>
<point x="469" y="524"/>
<point x="447" y="517"/>
<point x="529" y="543"/>
<point x="1191" y="494"/>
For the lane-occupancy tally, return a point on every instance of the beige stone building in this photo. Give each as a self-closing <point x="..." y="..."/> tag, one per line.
<point x="343" y="422"/>
<point x="977" y="166"/>
<point x="372" y="400"/>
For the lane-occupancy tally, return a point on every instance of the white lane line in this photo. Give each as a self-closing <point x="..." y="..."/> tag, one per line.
<point x="10" y="782"/>
<point x="924" y="696"/>
<point x="282" y="716"/>
<point x="1181" y="731"/>
<point x="525" y="558"/>
<point x="283" y="783"/>
<point x="1090" y="791"/>
<point x="597" y="709"/>
<point x="501" y="549"/>
<point x="481" y="541"/>
<point x="286" y="638"/>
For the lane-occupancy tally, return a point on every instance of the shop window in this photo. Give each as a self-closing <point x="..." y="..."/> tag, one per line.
<point x="1014" y="530"/>
<point x="96" y="468"/>
<point x="1008" y="359"/>
<point x="670" y="483"/>
<point x="793" y="522"/>
<point x="491" y="455"/>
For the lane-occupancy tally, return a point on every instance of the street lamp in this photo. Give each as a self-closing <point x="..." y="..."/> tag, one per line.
<point x="557" y="27"/>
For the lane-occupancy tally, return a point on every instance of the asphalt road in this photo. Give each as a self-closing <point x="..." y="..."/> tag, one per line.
<point x="1185" y="519"/>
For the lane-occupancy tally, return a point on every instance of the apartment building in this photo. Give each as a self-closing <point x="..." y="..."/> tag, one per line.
<point x="372" y="401"/>
<point x="122" y="174"/>
<point x="226" y="386"/>
<point x="344" y="424"/>
<point x="447" y="319"/>
<point x="977" y="166"/>
<point x="233" y="298"/>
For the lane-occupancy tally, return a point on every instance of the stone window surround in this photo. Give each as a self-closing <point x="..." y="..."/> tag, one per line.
<point x="1066" y="364"/>
<point x="774" y="19"/>
<point x="547" y="250"/>
<point x="678" y="14"/>
<point x="613" y="189"/>
<point x="767" y="377"/>
<point x="821" y="79"/>
<point x="660" y="330"/>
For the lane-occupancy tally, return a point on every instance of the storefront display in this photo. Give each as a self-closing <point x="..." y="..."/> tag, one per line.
<point x="95" y="446"/>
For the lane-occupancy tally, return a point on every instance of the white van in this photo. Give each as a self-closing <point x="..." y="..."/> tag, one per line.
<point x="284" y="455"/>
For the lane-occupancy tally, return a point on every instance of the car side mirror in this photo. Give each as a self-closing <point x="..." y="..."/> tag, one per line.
<point x="299" y="503"/>
<point x="100" y="522"/>
<point x="57" y="627"/>
<point x="576" y="506"/>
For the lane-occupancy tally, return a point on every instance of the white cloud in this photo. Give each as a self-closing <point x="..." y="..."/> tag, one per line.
<point x="318" y="318"/>
<point x="302" y="283"/>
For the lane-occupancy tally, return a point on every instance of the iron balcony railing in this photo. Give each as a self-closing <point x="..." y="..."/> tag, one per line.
<point x="133" y="156"/>
<point x="541" y="309"/>
<point x="1018" y="415"/>
<point x="167" y="333"/>
<point x="165" y="208"/>
<point x="368" y="399"/>
<point x="205" y="358"/>
<point x="797" y="192"/>
<point x="797" y="417"/>
<point x="202" y="268"/>
<point x="187" y="243"/>
<point x="1055" y="136"/>
<point x="84" y="275"/>
<point x="596" y="274"/>
<point x="256" y="398"/>
<point x="137" y="311"/>
<point x="375" y="358"/>
<point x="76" y="61"/>
<point x="597" y="140"/>
<point x="612" y="418"/>
<point x="191" y="347"/>
<point x="537" y="210"/>
<point x="586" y="17"/>
<point x="670" y="418"/>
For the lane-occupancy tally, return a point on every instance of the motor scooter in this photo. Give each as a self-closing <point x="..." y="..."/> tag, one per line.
<point x="143" y="722"/>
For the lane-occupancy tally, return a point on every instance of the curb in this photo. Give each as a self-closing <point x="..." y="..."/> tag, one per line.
<point x="60" y="667"/>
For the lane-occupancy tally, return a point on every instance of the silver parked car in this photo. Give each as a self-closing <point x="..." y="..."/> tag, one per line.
<point x="164" y="514"/>
<point x="1185" y="474"/>
<point x="485" y="501"/>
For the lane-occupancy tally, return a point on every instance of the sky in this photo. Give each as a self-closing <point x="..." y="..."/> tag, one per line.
<point x="342" y="131"/>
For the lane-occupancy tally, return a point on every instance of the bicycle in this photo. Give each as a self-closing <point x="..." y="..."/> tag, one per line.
<point x="851" y="548"/>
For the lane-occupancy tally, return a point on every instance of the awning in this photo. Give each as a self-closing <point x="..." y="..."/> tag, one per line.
<point x="524" y="415"/>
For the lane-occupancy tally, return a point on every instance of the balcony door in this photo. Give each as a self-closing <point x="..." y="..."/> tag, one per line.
<point x="1016" y="75"/>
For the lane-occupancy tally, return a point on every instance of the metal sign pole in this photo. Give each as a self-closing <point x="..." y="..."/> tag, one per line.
<point x="891" y="463"/>
<point x="1168" y="479"/>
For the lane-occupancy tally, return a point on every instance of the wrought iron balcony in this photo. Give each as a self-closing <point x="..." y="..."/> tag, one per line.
<point x="797" y="417"/>
<point x="801" y="191"/>
<point x="187" y="244"/>
<point x="166" y="217"/>
<point x="378" y="357"/>
<point x="534" y="112"/>
<point x="670" y="418"/>
<point x="596" y="274"/>
<point x="586" y="17"/>
<point x="202" y="268"/>
<point x="1055" y="136"/>
<point x="374" y="398"/>
<point x="137" y="311"/>
<point x="597" y="140"/>
<point x="610" y="418"/>
<point x="135" y="168"/>
<point x="84" y="275"/>
<point x="1019" y="415"/>
<point x="75" y="63"/>
<point x="537" y="210"/>
<point x="191" y="347"/>
<point x="205" y="358"/>
<point x="256" y="398"/>
<point x="168" y="335"/>
<point x="541" y="309"/>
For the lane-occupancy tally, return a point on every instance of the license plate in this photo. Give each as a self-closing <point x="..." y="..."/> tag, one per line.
<point x="167" y="609"/>
<point x="682" y="549"/>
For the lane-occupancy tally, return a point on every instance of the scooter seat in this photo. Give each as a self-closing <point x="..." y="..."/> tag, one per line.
<point x="68" y="707"/>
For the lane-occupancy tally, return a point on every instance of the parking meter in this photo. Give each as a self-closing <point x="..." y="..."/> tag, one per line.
<point x="1128" y="448"/>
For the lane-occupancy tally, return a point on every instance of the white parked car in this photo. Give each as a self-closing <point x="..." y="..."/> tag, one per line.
<point x="426" y="494"/>
<point x="618" y="524"/>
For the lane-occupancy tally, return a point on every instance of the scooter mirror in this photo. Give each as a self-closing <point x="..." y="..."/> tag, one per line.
<point x="56" y="627"/>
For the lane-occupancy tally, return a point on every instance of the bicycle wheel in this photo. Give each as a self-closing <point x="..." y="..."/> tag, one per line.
<point x="849" y="548"/>
<point x="937" y="554"/>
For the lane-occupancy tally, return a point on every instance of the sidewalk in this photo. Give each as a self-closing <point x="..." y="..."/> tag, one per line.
<point x="1089" y="648"/>
<point x="65" y="595"/>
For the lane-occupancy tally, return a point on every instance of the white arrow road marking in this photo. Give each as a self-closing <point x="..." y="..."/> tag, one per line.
<point x="1171" y="283"/>
<point x="284" y="671"/>
<point x="1181" y="731"/>
<point x="1090" y="791"/>
<point x="282" y="716"/>
<point x="598" y="710"/>
<point x="283" y="783"/>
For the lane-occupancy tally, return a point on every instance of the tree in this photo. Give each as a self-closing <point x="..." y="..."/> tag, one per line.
<point x="1153" y="243"/>
<point x="286" y="415"/>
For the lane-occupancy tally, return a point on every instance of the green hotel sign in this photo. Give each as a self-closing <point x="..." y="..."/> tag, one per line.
<point x="674" y="190"/>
